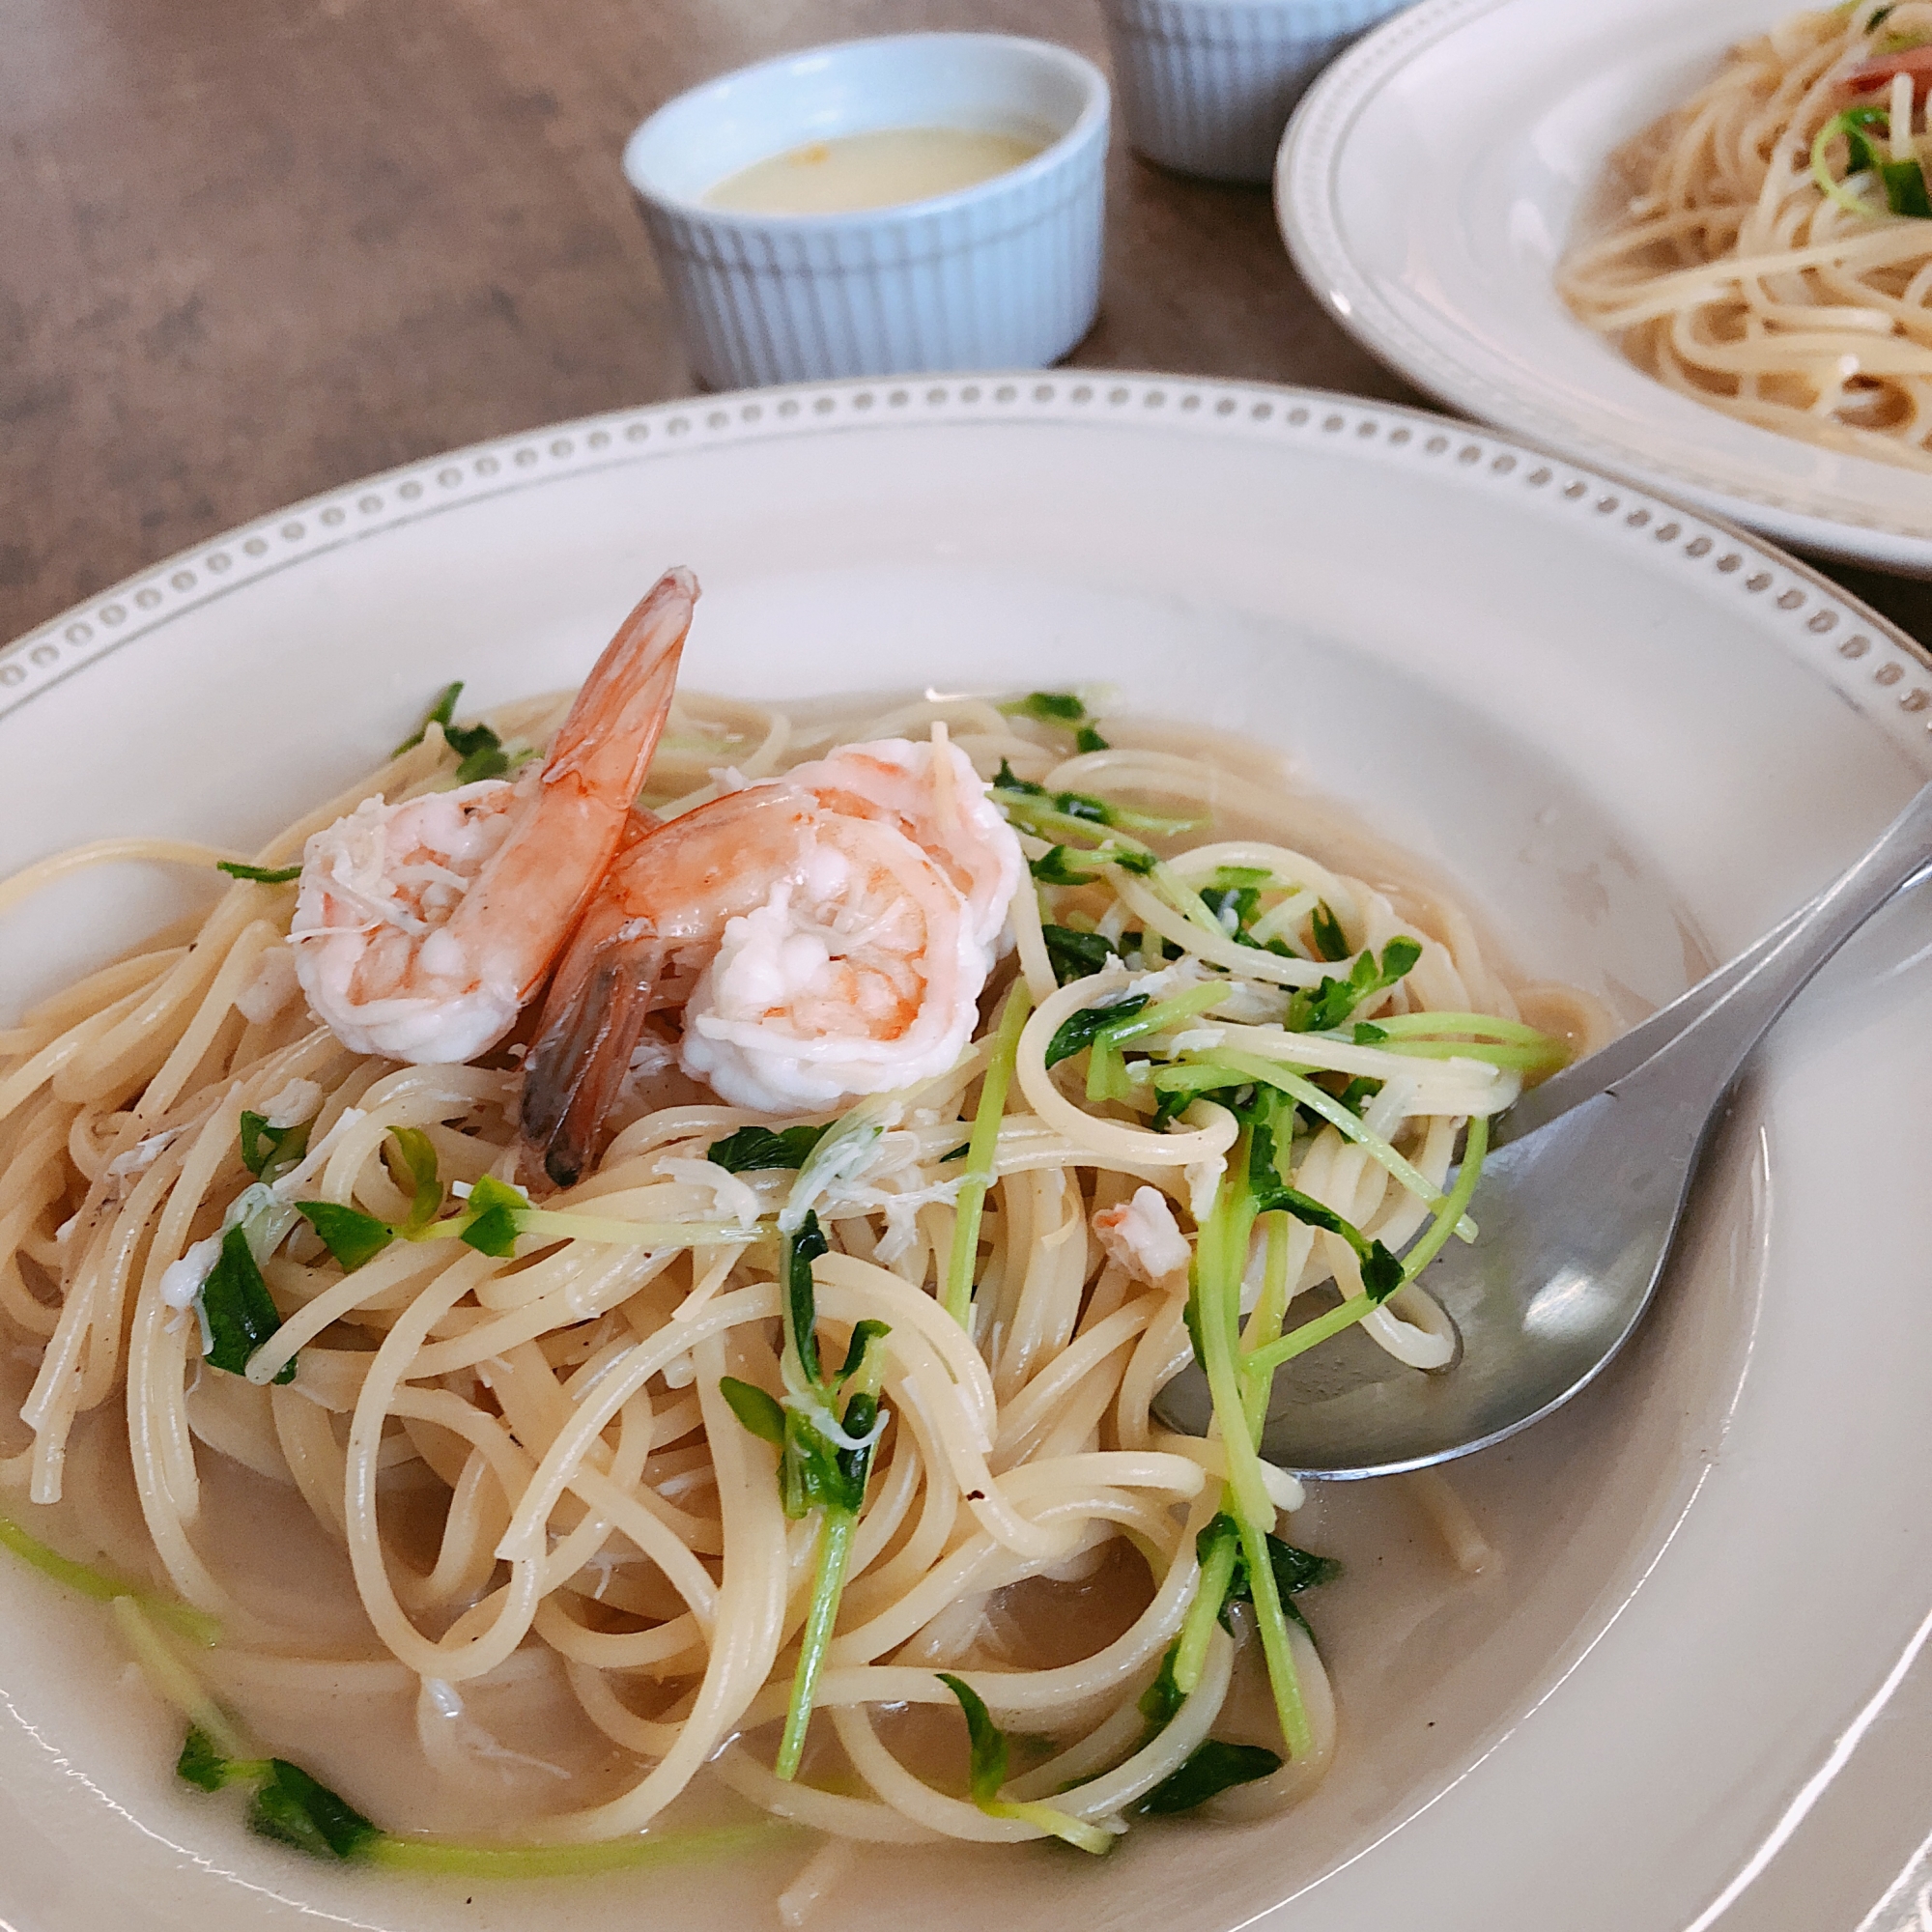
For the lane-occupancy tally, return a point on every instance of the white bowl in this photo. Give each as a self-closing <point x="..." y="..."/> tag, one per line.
<point x="1620" y="727"/>
<point x="1006" y="273"/>
<point x="1206" y="86"/>
<point x="1428" y="190"/>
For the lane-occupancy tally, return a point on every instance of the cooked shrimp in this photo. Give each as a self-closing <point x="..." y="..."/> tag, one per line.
<point x="422" y="928"/>
<point x="940" y="802"/>
<point x="841" y="922"/>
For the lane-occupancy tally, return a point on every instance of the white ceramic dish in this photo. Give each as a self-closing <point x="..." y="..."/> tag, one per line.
<point x="1003" y="274"/>
<point x="1427" y="187"/>
<point x="1626" y="729"/>
<point x="1206" y="86"/>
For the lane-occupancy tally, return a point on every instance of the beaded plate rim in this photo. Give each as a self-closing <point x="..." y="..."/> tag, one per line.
<point x="1881" y="671"/>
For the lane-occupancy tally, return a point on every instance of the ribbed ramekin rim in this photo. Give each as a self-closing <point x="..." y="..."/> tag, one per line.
<point x="1091" y="122"/>
<point x="1361" y="13"/>
<point x="1282" y="6"/>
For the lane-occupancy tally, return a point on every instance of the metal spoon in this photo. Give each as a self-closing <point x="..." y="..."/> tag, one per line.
<point x="1577" y="1209"/>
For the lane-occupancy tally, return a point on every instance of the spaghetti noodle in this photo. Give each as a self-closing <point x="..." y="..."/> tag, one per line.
<point x="1771" y="255"/>
<point x="566" y="1490"/>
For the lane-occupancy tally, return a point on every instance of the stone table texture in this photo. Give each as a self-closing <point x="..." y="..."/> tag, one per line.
<point x="252" y="252"/>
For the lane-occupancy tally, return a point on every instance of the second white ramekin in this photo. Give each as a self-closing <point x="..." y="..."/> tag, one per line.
<point x="1206" y="86"/>
<point x="1004" y="274"/>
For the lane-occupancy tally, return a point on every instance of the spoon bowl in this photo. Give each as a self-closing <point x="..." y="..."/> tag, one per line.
<point x="1578" y="1208"/>
<point x="1540" y="1301"/>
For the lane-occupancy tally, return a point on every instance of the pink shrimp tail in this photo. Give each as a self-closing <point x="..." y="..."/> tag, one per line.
<point x="594" y="772"/>
<point x="604" y="746"/>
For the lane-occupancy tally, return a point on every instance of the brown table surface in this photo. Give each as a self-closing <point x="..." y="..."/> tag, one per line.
<point x="252" y="252"/>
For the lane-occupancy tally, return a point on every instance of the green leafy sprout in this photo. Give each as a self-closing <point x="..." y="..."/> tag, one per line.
<point x="1264" y="1360"/>
<point x="1240" y="1363"/>
<point x="1330" y="1005"/>
<point x="986" y="1774"/>
<point x="480" y="752"/>
<point x="493" y="1217"/>
<point x="1214" y="1303"/>
<point x="238" y="1310"/>
<point x="1049" y="707"/>
<point x="292" y="1807"/>
<point x="288" y="1804"/>
<point x="1224" y="1582"/>
<point x="825" y="1456"/>
<point x="981" y="1151"/>
<point x="1079" y="813"/>
<point x="1211" y="1767"/>
<point x="269" y="1152"/>
<point x="1053" y="870"/>
<point x="1901" y="183"/>
<point x="1058" y="708"/>
<point x="1081" y="1028"/>
<point x="103" y="1586"/>
<point x="1331" y="943"/>
<point x="753" y="1147"/>
<point x="442" y="711"/>
<point x="1074" y="954"/>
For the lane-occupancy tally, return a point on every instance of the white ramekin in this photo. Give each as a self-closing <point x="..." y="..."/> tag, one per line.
<point x="1004" y="274"/>
<point x="1206" y="86"/>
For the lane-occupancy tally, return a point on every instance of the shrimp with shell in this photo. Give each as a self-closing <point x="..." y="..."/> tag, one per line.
<point x="423" y="928"/>
<point x="841" y="923"/>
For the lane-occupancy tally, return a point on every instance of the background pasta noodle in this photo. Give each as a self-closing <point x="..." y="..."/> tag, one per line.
<point x="1768" y="245"/>
<point x="520" y="1525"/>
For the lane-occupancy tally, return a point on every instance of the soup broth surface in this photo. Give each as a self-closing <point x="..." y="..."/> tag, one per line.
<point x="878" y="170"/>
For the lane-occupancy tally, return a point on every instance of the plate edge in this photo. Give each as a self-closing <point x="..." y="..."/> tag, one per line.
<point x="83" y="636"/>
<point x="1305" y="167"/>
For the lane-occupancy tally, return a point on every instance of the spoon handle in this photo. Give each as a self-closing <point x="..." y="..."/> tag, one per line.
<point x="1698" y="1066"/>
<point x="1604" y="1069"/>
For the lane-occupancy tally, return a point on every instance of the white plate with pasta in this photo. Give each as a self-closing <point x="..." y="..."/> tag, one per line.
<point x="1482" y="192"/>
<point x="678" y="1442"/>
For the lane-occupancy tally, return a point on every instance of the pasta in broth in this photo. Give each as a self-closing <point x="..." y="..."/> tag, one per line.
<point x="692" y="1403"/>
